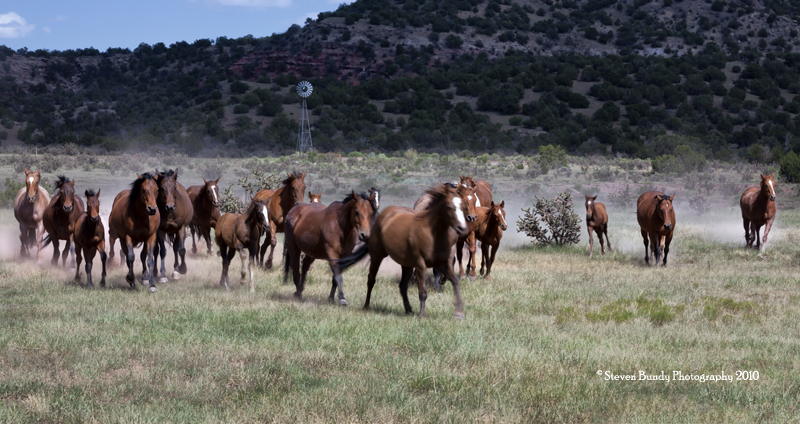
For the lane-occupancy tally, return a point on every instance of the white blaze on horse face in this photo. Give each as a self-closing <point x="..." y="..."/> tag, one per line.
<point x="214" y="192"/>
<point x="590" y="203"/>
<point x="477" y="202"/>
<point x="459" y="212"/>
<point x="377" y="200"/>
<point x="771" y="188"/>
<point x="30" y="180"/>
<point x="265" y="213"/>
<point x="502" y="217"/>
<point x="315" y="200"/>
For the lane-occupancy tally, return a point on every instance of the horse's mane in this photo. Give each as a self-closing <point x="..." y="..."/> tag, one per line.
<point x="350" y="197"/>
<point x="61" y="181"/>
<point x="451" y="184"/>
<point x="90" y="192"/>
<point x="168" y="173"/>
<point x="437" y="195"/>
<point x="136" y="188"/>
<point x="293" y="176"/>
<point x="663" y="196"/>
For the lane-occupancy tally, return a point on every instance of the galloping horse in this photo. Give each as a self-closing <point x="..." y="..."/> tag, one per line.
<point x="327" y="233"/>
<point x="90" y="238"/>
<point x="657" y="221"/>
<point x="29" y="206"/>
<point x="235" y="232"/>
<point x="416" y="240"/>
<point x="488" y="229"/>
<point x="758" y="208"/>
<point x="484" y="192"/>
<point x="280" y="202"/>
<point x="60" y="216"/>
<point x="135" y="219"/>
<point x="596" y="220"/>
<point x="314" y="198"/>
<point x="175" y="208"/>
<point x="205" y="204"/>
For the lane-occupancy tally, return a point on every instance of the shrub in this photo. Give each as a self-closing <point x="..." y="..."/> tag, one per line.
<point x="240" y="109"/>
<point x="453" y="41"/>
<point x="699" y="202"/>
<point x="790" y="167"/>
<point x="551" y="157"/>
<point x="239" y="87"/>
<point x="624" y="198"/>
<point x="552" y="221"/>
<point x="8" y="195"/>
<point x="231" y="203"/>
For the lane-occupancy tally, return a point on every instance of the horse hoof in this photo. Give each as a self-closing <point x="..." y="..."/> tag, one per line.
<point x="473" y="277"/>
<point x="129" y="278"/>
<point x="176" y="275"/>
<point x="181" y="269"/>
<point x="458" y="315"/>
<point x="298" y="295"/>
<point x="342" y="302"/>
<point x="163" y="280"/>
<point x="89" y="287"/>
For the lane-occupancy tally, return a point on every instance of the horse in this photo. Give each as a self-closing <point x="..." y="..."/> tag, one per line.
<point x="29" y="207"/>
<point x="235" y="232"/>
<point x="135" y="219"/>
<point x="416" y="240"/>
<point x="758" y="208"/>
<point x="59" y="219"/>
<point x="657" y="221"/>
<point x="175" y="208"/>
<point x="280" y="202"/>
<point x="327" y="233"/>
<point x="484" y="191"/>
<point x="314" y="198"/>
<point x="488" y="229"/>
<point x="205" y="204"/>
<point x="89" y="237"/>
<point x="597" y="221"/>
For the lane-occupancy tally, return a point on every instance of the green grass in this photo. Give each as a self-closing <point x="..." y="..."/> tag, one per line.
<point x="529" y="349"/>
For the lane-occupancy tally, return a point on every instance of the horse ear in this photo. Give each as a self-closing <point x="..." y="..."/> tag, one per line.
<point x="671" y="197"/>
<point x="98" y="193"/>
<point x="86" y="193"/>
<point x="594" y="197"/>
<point x="39" y="173"/>
<point x="763" y="177"/>
<point x="503" y="204"/>
<point x="176" y="173"/>
<point x="217" y="180"/>
<point x="491" y="205"/>
<point x="353" y="193"/>
<point x="288" y="175"/>
<point x="773" y="174"/>
<point x="205" y="181"/>
<point x="302" y="177"/>
<point x="138" y="176"/>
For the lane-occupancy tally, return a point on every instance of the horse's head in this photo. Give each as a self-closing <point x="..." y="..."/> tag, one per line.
<point x="146" y="189"/>
<point x="499" y="214"/>
<point x="167" y="186"/>
<point x="360" y="214"/>
<point x="589" y="203"/>
<point x="664" y="210"/>
<point x="93" y="204"/>
<point x="212" y="188"/>
<point x="470" y="199"/>
<point x="375" y="195"/>
<point x="314" y="198"/>
<point x="259" y="211"/>
<point x="456" y="210"/>
<point x="32" y="184"/>
<point x="296" y="186"/>
<point x="768" y="185"/>
<point x="466" y="181"/>
<point x="66" y="188"/>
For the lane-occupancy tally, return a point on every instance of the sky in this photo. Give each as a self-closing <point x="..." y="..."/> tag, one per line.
<point x="74" y="24"/>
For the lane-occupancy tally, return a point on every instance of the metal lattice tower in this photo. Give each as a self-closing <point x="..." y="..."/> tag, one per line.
<point x="304" y="90"/>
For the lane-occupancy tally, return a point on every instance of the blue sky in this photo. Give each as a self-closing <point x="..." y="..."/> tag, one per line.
<point x="73" y="24"/>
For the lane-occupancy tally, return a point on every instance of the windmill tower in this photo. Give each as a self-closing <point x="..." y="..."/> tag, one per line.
<point x="304" y="90"/>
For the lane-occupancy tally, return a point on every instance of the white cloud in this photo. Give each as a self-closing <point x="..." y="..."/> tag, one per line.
<point x="253" y="3"/>
<point x="46" y="30"/>
<point x="14" y="26"/>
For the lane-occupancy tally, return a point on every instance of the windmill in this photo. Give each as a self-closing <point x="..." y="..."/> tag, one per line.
<point x="304" y="90"/>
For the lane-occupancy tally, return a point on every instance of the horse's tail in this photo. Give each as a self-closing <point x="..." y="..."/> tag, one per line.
<point x="351" y="259"/>
<point x="46" y="241"/>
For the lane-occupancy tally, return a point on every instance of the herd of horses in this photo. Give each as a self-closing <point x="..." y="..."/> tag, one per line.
<point x="157" y="208"/>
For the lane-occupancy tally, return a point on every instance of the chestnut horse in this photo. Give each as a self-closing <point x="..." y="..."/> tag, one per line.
<point x="327" y="233"/>
<point x="205" y="206"/>
<point x="175" y="208"/>
<point x="657" y="221"/>
<point x="59" y="219"/>
<point x="758" y="208"/>
<point x="134" y="220"/>
<point x="235" y="232"/>
<point x="597" y="221"/>
<point x="488" y="229"/>
<point x="90" y="238"/>
<point x="315" y="198"/>
<point x="416" y="240"/>
<point x="484" y="192"/>
<point x="29" y="206"/>
<point x="280" y="202"/>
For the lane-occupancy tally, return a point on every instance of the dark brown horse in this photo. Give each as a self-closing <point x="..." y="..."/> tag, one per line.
<point x="235" y="233"/>
<point x="29" y="206"/>
<point x="134" y="220"/>
<point x="90" y="238"/>
<point x="484" y="191"/>
<point x="175" y="208"/>
<point x="416" y="240"/>
<point x="315" y="198"/>
<point x="488" y="229"/>
<point x="328" y="233"/>
<point x="280" y="202"/>
<point x="758" y="209"/>
<point x="657" y="221"/>
<point x="596" y="221"/>
<point x="205" y="204"/>
<point x="59" y="219"/>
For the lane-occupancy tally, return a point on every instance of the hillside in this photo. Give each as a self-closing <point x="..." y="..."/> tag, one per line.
<point x="595" y="77"/>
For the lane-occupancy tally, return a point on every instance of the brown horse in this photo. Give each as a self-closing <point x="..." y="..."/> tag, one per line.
<point x="135" y="219"/>
<point x="327" y="233"/>
<point x="59" y="219"/>
<point x="205" y="204"/>
<point x="90" y="238"/>
<point x="657" y="221"/>
<point x="315" y="198"/>
<point x="235" y="232"/>
<point x="484" y="191"/>
<point x="175" y="208"/>
<point x="29" y="206"/>
<point x="280" y="202"/>
<point x="758" y="208"/>
<point x="597" y="221"/>
<point x="416" y="240"/>
<point x="488" y="229"/>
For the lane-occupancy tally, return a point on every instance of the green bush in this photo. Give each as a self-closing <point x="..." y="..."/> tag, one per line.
<point x="552" y="221"/>
<point x="240" y="109"/>
<point x="8" y="195"/>
<point x="239" y="87"/>
<point x="790" y="167"/>
<point x="551" y="157"/>
<point x="453" y="41"/>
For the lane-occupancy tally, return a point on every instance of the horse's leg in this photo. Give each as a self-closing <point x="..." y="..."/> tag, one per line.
<point x="243" y="257"/>
<point x="111" y="239"/>
<point x="71" y="244"/>
<point x="126" y="249"/>
<point x="223" y="279"/>
<point x="646" y="247"/>
<point x="747" y="240"/>
<point x="484" y="256"/>
<point x="252" y="251"/>
<point x="39" y="233"/>
<point x="307" y="261"/>
<point x="272" y="243"/>
<point x="180" y="239"/>
<point x="78" y="268"/>
<point x="207" y="237"/>
<point x="374" y="265"/>
<point x="667" y="241"/>
<point x="56" y="251"/>
<point x="264" y="246"/>
<point x="608" y="240"/>
<point x="459" y="257"/>
<point x="102" y="248"/>
<point x="150" y="246"/>
<point x="767" y="227"/>
<point x="591" y="240"/>
<point x="23" y="240"/>
<point x="337" y="282"/>
<point x="194" y="245"/>
<point x="459" y="313"/>
<point x="90" y="252"/>
<point x="471" y="261"/>
<point x="160" y="250"/>
<point x="404" y="280"/>
<point x="758" y="237"/>
<point x="600" y="239"/>
<point x="423" y="291"/>
<point x="657" y="241"/>
<point x="143" y="258"/>
<point x="493" y="249"/>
